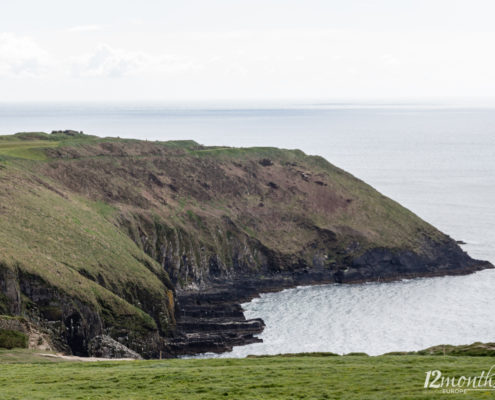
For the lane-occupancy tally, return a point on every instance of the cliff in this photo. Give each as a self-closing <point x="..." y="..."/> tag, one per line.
<point x="155" y="244"/>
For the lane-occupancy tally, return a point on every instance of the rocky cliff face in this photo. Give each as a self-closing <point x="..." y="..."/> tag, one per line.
<point x="154" y="245"/>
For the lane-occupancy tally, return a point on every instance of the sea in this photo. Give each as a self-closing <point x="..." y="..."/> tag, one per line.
<point x="438" y="160"/>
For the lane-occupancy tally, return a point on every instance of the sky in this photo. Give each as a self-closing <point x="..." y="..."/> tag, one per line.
<point x="150" y="50"/>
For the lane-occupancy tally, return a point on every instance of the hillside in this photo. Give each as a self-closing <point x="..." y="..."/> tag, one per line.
<point x="154" y="244"/>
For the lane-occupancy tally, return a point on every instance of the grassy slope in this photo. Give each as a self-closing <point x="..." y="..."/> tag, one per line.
<point x="381" y="220"/>
<point x="300" y="377"/>
<point x="66" y="239"/>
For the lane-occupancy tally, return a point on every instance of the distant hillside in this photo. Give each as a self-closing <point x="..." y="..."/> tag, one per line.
<point x="154" y="244"/>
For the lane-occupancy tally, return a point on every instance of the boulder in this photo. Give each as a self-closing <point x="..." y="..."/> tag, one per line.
<point x="105" y="347"/>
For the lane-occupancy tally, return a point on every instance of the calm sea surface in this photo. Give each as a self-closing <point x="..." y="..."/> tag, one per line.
<point x="437" y="161"/>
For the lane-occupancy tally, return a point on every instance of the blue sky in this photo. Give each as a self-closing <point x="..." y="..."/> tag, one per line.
<point x="246" y="50"/>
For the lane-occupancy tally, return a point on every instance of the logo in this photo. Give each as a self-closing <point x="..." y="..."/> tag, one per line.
<point x="483" y="382"/>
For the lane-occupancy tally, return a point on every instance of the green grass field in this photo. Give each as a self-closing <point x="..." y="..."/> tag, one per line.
<point x="24" y="375"/>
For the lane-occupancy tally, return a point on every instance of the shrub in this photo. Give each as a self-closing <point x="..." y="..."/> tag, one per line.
<point x="11" y="339"/>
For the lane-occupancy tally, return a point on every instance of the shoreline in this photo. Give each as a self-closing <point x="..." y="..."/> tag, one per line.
<point x="216" y="319"/>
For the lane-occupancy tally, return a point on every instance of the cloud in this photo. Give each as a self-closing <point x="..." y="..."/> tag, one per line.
<point x="22" y="56"/>
<point x="390" y="60"/>
<point x="170" y="64"/>
<point x="86" y="28"/>
<point x="288" y="63"/>
<point x="106" y="61"/>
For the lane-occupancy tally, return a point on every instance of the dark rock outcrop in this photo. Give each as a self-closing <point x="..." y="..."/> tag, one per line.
<point x="211" y="321"/>
<point x="105" y="347"/>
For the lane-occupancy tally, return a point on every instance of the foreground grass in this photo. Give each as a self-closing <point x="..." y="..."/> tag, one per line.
<point x="298" y="377"/>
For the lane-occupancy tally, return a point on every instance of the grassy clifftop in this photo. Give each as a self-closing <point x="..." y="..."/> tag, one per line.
<point x="96" y="234"/>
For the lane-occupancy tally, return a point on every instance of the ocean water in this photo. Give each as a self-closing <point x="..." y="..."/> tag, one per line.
<point x="439" y="161"/>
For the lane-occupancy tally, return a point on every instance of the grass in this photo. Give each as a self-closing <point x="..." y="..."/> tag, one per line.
<point x="250" y="152"/>
<point x="476" y="349"/>
<point x="31" y="150"/>
<point x="12" y="339"/>
<point x="297" y="377"/>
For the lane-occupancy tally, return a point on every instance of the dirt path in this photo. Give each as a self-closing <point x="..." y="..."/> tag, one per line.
<point x="85" y="359"/>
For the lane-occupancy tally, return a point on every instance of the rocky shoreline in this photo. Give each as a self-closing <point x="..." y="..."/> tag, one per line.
<point x="212" y="320"/>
